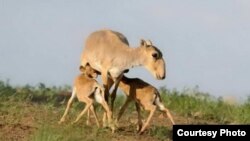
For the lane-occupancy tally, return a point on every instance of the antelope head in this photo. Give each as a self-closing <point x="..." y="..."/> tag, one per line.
<point x="153" y="60"/>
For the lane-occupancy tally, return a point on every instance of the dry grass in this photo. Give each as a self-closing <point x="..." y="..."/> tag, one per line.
<point x="32" y="113"/>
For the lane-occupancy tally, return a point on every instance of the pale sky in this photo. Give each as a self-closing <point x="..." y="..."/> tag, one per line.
<point x="204" y="43"/>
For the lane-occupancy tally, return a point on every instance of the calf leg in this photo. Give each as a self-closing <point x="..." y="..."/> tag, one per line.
<point x="152" y="109"/>
<point x="163" y="109"/>
<point x="99" y="96"/>
<point x="139" y="123"/>
<point x="88" y="104"/>
<point x="68" y="105"/>
<point x="88" y="117"/>
<point x="166" y="111"/>
<point x="94" y="113"/>
<point x="109" y="115"/>
<point x="122" y="110"/>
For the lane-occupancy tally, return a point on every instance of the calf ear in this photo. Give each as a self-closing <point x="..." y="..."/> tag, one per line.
<point x="82" y="69"/>
<point x="143" y="42"/>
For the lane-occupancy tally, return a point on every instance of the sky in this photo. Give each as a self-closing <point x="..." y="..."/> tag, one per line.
<point x="204" y="43"/>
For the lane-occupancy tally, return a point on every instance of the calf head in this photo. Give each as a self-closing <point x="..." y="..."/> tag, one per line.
<point x="89" y="71"/>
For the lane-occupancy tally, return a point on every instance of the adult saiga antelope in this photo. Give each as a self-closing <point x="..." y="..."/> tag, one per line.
<point x="87" y="89"/>
<point x="144" y="95"/>
<point x="109" y="53"/>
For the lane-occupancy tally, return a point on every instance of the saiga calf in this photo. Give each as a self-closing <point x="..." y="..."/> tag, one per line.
<point x="143" y="94"/>
<point x="87" y="90"/>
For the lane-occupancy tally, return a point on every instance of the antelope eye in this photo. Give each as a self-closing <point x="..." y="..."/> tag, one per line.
<point x="155" y="55"/>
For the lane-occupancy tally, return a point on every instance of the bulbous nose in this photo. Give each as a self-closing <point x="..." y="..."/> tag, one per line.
<point x="160" y="77"/>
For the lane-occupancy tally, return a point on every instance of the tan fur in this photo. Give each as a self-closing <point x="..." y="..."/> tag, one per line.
<point x="144" y="95"/>
<point x="88" y="90"/>
<point x="108" y="52"/>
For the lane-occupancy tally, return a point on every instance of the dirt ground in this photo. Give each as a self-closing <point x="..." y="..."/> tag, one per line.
<point x="22" y="121"/>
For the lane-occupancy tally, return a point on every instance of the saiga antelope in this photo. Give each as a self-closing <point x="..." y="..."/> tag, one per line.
<point x="143" y="94"/>
<point x="87" y="89"/>
<point x="108" y="52"/>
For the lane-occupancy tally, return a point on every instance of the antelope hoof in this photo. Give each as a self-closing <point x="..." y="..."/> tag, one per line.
<point x="87" y="122"/>
<point x="61" y="121"/>
<point x="74" y="122"/>
<point x="141" y="132"/>
<point x="138" y="128"/>
<point x="105" y="125"/>
<point x="116" y="123"/>
<point x="112" y="127"/>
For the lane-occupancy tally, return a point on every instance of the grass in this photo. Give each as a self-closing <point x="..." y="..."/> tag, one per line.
<point x="203" y="106"/>
<point x="32" y="112"/>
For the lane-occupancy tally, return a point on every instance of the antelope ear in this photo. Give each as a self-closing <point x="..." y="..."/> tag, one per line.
<point x="143" y="42"/>
<point x="82" y="69"/>
<point x="149" y="43"/>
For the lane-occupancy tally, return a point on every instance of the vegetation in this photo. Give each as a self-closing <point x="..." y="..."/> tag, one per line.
<point x="32" y="113"/>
